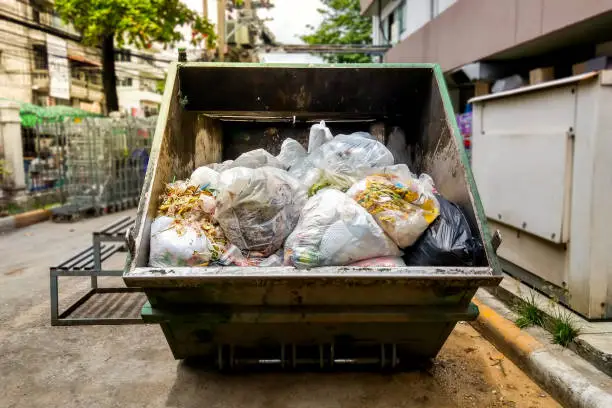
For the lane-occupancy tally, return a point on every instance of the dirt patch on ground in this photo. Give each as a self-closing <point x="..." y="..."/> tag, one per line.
<point x="15" y="271"/>
<point x="469" y="372"/>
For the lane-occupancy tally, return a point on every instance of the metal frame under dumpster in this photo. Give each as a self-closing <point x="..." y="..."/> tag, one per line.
<point x="322" y="317"/>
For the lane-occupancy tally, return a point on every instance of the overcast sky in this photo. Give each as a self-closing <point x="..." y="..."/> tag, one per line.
<point x="289" y="21"/>
<point x="290" y="17"/>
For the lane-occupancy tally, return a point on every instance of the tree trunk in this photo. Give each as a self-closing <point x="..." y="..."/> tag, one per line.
<point x="109" y="80"/>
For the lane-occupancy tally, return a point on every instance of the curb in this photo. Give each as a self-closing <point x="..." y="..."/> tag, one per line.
<point x="23" y="220"/>
<point x="562" y="381"/>
<point x="583" y="348"/>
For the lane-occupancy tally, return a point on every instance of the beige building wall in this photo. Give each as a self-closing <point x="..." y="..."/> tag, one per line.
<point x="24" y="75"/>
<point x="15" y="59"/>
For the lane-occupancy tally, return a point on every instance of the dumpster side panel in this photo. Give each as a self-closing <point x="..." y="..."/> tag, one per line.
<point x="414" y="333"/>
<point x="182" y="142"/>
<point x="306" y="89"/>
<point x="159" y="169"/>
<point x="295" y="293"/>
<point x="445" y="160"/>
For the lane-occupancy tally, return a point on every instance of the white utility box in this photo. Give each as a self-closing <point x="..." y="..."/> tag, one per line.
<point x="542" y="160"/>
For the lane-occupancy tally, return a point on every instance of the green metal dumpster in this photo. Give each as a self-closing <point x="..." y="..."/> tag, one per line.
<point x="322" y="317"/>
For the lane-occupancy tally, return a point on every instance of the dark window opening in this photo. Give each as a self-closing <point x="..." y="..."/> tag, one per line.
<point x="40" y="56"/>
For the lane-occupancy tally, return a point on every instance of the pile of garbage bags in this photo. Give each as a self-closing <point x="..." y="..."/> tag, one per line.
<point x="341" y="201"/>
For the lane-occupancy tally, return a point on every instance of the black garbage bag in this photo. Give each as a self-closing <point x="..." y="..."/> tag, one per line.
<point x="447" y="242"/>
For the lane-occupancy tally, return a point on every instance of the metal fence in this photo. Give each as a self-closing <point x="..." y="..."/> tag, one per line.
<point x="95" y="164"/>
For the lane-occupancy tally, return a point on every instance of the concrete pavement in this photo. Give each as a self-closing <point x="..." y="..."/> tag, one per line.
<point x="131" y="366"/>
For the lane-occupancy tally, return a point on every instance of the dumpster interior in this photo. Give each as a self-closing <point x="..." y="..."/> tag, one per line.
<point x="259" y="108"/>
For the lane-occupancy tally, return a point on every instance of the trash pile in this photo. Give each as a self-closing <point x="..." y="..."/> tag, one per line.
<point x="342" y="201"/>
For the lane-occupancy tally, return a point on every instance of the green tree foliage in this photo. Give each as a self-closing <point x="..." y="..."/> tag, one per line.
<point x="106" y="23"/>
<point x="342" y="24"/>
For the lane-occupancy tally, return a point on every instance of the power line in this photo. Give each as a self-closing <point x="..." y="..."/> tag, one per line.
<point x="27" y="59"/>
<point x="32" y="53"/>
<point x="32" y="24"/>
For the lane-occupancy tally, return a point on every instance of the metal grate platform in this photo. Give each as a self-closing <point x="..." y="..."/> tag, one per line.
<point x="105" y="306"/>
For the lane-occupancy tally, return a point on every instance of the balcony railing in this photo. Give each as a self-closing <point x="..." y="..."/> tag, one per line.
<point x="85" y="89"/>
<point x="80" y="87"/>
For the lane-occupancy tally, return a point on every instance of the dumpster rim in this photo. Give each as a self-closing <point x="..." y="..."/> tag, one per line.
<point x="325" y="272"/>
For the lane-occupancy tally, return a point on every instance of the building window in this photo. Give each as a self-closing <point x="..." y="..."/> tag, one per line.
<point x="124" y="81"/>
<point x="36" y="14"/>
<point x="123" y="55"/>
<point x="400" y="16"/>
<point x="388" y="28"/>
<point x="40" y="56"/>
<point x="94" y="78"/>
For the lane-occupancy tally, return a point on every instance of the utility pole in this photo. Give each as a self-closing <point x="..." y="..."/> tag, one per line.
<point x="205" y="9"/>
<point x="221" y="28"/>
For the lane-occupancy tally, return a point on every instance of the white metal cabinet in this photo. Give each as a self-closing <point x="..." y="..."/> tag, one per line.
<point x="542" y="160"/>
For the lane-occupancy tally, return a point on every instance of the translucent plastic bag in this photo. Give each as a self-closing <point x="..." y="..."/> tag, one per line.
<point x="381" y="262"/>
<point x="345" y="155"/>
<point x="317" y="179"/>
<point x="205" y="177"/>
<point x="187" y="200"/>
<point x="319" y="135"/>
<point x="258" y="208"/>
<point x="175" y="244"/>
<point x="403" y="207"/>
<point x="255" y="159"/>
<point x="219" y="167"/>
<point x="334" y="230"/>
<point x="184" y="233"/>
<point x="291" y="152"/>
<point x="234" y="256"/>
<point x="447" y="242"/>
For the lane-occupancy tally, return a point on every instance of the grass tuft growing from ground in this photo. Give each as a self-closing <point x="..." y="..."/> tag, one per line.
<point x="563" y="328"/>
<point x="529" y="312"/>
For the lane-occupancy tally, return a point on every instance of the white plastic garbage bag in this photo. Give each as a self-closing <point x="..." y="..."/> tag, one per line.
<point x="219" y="167"/>
<point x="258" y="208"/>
<point x="204" y="177"/>
<point x="403" y="207"/>
<point x="334" y="230"/>
<point x="291" y="152"/>
<point x="176" y="244"/>
<point x="255" y="159"/>
<point x="319" y="135"/>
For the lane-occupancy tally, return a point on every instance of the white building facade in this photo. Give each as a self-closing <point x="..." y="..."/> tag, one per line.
<point x="397" y="19"/>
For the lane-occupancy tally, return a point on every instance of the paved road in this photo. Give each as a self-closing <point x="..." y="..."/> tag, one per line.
<point x="131" y="366"/>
